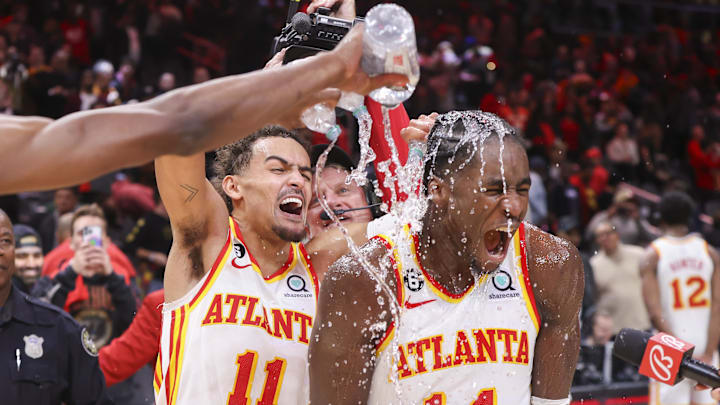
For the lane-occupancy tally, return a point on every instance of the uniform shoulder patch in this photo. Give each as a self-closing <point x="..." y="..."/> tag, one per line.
<point x="87" y="343"/>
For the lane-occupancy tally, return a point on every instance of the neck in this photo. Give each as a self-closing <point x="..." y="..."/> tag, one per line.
<point x="269" y="251"/>
<point x="436" y="246"/>
<point x="5" y="292"/>
<point x="677" y="230"/>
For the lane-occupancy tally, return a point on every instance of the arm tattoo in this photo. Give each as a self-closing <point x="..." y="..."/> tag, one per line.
<point x="192" y="190"/>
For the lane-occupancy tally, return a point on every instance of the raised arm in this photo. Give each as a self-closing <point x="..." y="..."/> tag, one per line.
<point x="342" y="348"/>
<point x="198" y="218"/>
<point x="558" y="291"/>
<point x="38" y="154"/>
<point x="651" y="289"/>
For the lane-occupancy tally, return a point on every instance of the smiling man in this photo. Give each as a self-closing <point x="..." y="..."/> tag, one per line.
<point x="339" y="196"/>
<point x="28" y="257"/>
<point x="489" y="306"/>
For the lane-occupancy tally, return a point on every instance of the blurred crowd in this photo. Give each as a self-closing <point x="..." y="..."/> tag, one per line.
<point x="616" y="102"/>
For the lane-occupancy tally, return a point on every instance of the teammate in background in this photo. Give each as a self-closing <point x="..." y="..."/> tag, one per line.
<point x="681" y="288"/>
<point x="489" y="306"/>
<point x="39" y="153"/>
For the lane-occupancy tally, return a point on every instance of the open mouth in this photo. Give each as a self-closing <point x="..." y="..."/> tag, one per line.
<point x="341" y="217"/>
<point x="497" y="241"/>
<point x="291" y="205"/>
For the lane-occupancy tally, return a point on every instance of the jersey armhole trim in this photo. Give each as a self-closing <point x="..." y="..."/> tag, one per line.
<point x="214" y="271"/>
<point x="310" y="269"/>
<point x="656" y="249"/>
<point x="385" y="340"/>
<point x="396" y="263"/>
<point x="528" y="294"/>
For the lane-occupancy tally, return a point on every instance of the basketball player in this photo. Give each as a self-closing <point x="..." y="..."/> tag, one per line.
<point x="38" y="153"/>
<point x="681" y="287"/>
<point x="489" y="305"/>
<point x="240" y="289"/>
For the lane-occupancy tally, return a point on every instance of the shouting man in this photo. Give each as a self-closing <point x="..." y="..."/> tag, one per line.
<point x="488" y="305"/>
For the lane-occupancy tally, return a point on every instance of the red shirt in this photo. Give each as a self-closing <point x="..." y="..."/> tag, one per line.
<point x="139" y="344"/>
<point x="702" y="163"/>
<point x="58" y="259"/>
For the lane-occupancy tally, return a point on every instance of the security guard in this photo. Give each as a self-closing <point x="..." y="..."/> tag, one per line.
<point x="45" y="356"/>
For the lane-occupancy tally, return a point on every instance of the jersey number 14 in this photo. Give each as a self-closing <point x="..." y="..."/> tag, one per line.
<point x="485" y="397"/>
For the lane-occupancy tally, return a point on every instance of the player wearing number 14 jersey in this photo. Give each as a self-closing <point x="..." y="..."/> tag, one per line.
<point x="489" y="305"/>
<point x="681" y="286"/>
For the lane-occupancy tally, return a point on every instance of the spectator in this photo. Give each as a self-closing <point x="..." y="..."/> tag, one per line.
<point x="64" y="201"/>
<point x="624" y="216"/>
<point x="28" y="257"/>
<point x="622" y="153"/>
<point x="616" y="268"/>
<point x="138" y="345"/>
<point x="149" y="243"/>
<point x="705" y="160"/>
<point x="88" y="287"/>
<point x="53" y="358"/>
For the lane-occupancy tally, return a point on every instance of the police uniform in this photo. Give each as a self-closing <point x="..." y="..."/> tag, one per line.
<point x="47" y="358"/>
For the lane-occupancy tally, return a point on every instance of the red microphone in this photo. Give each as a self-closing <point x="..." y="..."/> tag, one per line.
<point x="663" y="357"/>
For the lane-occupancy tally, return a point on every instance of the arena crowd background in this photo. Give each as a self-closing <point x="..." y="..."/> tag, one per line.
<point x="618" y="101"/>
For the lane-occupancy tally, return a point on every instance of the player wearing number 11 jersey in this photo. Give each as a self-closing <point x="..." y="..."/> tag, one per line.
<point x="239" y="287"/>
<point x="681" y="287"/>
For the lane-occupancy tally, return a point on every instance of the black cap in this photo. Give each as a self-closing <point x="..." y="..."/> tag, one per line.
<point x="26" y="236"/>
<point x="336" y="156"/>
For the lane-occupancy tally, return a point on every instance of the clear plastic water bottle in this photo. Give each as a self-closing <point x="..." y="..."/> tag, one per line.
<point x="321" y="118"/>
<point x="389" y="47"/>
<point x="351" y="101"/>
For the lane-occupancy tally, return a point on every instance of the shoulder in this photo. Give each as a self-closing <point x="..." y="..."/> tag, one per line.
<point x="634" y="250"/>
<point x="49" y="314"/>
<point x="556" y="269"/>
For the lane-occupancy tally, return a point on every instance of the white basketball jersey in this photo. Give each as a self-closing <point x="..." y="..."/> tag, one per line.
<point x="238" y="337"/>
<point x="684" y="272"/>
<point x="471" y="348"/>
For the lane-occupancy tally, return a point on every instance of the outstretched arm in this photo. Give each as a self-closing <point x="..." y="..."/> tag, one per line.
<point x="40" y="154"/>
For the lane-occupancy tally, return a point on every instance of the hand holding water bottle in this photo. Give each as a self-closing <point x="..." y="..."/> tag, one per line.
<point x="389" y="47"/>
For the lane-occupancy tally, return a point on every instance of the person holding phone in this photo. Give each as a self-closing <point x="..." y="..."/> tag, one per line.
<point x="88" y="288"/>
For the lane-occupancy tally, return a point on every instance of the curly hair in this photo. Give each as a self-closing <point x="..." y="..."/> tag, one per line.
<point x="234" y="158"/>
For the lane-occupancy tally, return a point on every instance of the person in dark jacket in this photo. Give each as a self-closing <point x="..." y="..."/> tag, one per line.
<point x="54" y="358"/>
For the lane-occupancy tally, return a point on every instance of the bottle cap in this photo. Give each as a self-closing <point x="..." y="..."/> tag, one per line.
<point x="333" y="133"/>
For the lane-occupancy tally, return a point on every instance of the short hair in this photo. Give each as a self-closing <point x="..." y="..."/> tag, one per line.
<point x="234" y="158"/>
<point x="89" y="210"/>
<point x="451" y="148"/>
<point x="676" y="208"/>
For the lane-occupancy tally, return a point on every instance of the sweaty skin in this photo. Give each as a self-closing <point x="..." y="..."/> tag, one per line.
<point x="349" y="298"/>
<point x="38" y="153"/>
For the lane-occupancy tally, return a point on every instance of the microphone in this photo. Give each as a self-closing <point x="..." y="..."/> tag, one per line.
<point x="324" y="215"/>
<point x="301" y="23"/>
<point x="663" y="357"/>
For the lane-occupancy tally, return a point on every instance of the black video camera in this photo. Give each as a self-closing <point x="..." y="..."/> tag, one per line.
<point x="305" y="35"/>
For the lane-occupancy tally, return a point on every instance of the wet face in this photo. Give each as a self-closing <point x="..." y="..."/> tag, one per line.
<point x="7" y="252"/>
<point x="28" y="263"/>
<point x="486" y="207"/>
<point x="275" y="188"/>
<point x="339" y="196"/>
